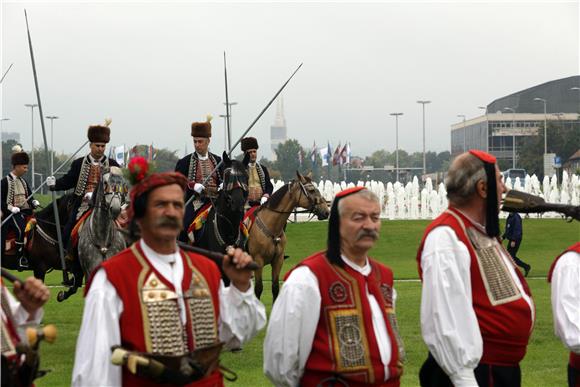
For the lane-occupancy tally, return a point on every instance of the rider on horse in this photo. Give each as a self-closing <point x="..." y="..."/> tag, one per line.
<point x="14" y="192"/>
<point x="83" y="176"/>
<point x="196" y="167"/>
<point x="259" y="185"/>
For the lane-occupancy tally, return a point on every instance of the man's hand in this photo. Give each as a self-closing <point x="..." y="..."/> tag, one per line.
<point x="234" y="262"/>
<point x="512" y="243"/>
<point x="263" y="200"/>
<point x="32" y="295"/>
<point x="198" y="188"/>
<point x="35" y="203"/>
<point x="88" y="196"/>
<point x="50" y="181"/>
<point x="15" y="210"/>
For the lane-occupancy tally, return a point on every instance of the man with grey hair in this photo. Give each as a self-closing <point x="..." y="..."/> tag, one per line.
<point x="477" y="312"/>
<point x="334" y="321"/>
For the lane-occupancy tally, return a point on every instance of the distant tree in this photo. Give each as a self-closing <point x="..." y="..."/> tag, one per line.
<point x="287" y="161"/>
<point x="7" y="156"/>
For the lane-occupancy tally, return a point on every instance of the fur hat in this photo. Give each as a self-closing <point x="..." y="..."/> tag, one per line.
<point x="202" y="129"/>
<point x="100" y="133"/>
<point x="249" y="143"/>
<point x="19" y="157"/>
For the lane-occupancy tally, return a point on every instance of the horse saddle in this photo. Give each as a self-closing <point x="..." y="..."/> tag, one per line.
<point x="11" y="241"/>
<point x="199" y="219"/>
<point x="74" y="235"/>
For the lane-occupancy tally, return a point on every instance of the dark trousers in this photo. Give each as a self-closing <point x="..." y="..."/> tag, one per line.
<point x="573" y="377"/>
<point x="431" y="375"/>
<point x="16" y="223"/>
<point x="514" y="251"/>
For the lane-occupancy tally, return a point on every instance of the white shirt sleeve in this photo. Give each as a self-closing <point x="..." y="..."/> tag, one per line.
<point x="291" y="329"/>
<point x="566" y="300"/>
<point x="99" y="331"/>
<point x="22" y="319"/>
<point x="448" y="322"/>
<point x="242" y="315"/>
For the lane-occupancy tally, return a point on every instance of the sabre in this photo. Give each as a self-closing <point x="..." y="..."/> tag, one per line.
<point x="6" y="73"/>
<point x="517" y="201"/>
<point x="246" y="132"/>
<point x="214" y="256"/>
<point x="227" y="102"/>
<point x="54" y="206"/>
<point x="44" y="182"/>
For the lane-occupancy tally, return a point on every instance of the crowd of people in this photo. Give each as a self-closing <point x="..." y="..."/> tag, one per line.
<point x="156" y="314"/>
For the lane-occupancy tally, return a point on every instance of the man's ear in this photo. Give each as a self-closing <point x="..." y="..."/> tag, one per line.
<point x="481" y="188"/>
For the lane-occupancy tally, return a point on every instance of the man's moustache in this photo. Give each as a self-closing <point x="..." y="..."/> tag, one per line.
<point x="168" y="221"/>
<point x="367" y="233"/>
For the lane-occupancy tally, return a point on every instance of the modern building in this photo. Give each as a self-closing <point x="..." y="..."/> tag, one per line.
<point x="508" y="120"/>
<point x="278" y="132"/>
<point x="11" y="136"/>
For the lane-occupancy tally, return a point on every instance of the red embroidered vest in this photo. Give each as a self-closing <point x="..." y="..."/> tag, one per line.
<point x="151" y="322"/>
<point x="344" y="342"/>
<point x="574" y="358"/>
<point x="504" y="316"/>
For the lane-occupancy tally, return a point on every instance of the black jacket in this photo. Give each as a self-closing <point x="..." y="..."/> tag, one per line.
<point x="513" y="227"/>
<point x="182" y="167"/>
<point x="69" y="181"/>
<point x="4" y="195"/>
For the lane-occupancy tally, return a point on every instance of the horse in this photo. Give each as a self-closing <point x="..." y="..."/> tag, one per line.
<point x="98" y="237"/>
<point x="222" y="228"/>
<point x="266" y="238"/>
<point x="42" y="246"/>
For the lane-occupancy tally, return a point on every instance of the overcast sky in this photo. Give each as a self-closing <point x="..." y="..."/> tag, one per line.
<point x="155" y="67"/>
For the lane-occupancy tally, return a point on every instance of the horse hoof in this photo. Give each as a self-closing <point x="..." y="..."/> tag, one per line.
<point x="60" y="296"/>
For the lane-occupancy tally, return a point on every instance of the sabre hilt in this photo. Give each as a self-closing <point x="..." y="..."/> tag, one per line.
<point x="36" y="335"/>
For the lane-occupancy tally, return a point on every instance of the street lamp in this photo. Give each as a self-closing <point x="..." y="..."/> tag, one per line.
<point x="51" y="118"/>
<point x="32" y="106"/>
<point x="464" y="133"/>
<point x="545" y="124"/>
<point x="424" y="162"/>
<point x="397" y="141"/>
<point x="486" y="128"/>
<point x="229" y="122"/>
<point x="1" y="121"/>
<point x="513" y="135"/>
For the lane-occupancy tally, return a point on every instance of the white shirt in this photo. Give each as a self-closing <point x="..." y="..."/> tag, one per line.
<point x="293" y="323"/>
<point x="242" y="315"/>
<point x="202" y="157"/>
<point x="448" y="321"/>
<point x="21" y="318"/>
<point x="566" y="300"/>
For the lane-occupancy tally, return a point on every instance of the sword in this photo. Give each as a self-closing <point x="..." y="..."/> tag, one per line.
<point x="44" y="182"/>
<point x="6" y="73"/>
<point x="228" y="123"/>
<point x="65" y="278"/>
<point x="246" y="132"/>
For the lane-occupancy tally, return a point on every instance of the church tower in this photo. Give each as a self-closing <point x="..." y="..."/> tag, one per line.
<point x="278" y="129"/>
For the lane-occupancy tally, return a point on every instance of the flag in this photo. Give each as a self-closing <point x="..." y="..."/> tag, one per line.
<point x="343" y="154"/>
<point x="119" y="155"/>
<point x="336" y="155"/>
<point x="313" y="154"/>
<point x="348" y="153"/>
<point x="300" y="156"/>
<point x="150" y="152"/>
<point x="133" y="152"/>
<point x="324" y="156"/>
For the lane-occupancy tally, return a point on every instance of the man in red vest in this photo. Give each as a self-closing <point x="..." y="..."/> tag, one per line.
<point x="477" y="312"/>
<point x="334" y="321"/>
<point x="564" y="277"/>
<point x="168" y="309"/>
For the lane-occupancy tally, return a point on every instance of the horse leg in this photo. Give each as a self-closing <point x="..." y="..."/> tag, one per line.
<point x="77" y="283"/>
<point x="276" y="268"/>
<point x="258" y="285"/>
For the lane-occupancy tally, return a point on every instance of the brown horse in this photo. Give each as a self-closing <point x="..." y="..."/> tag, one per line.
<point x="266" y="238"/>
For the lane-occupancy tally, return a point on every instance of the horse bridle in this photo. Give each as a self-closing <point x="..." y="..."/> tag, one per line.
<point x="313" y="202"/>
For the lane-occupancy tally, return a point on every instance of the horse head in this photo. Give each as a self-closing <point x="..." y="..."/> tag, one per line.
<point x="234" y="193"/>
<point x="309" y="196"/>
<point x="114" y="191"/>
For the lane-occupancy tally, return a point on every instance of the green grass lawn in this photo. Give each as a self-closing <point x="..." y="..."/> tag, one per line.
<point x="544" y="364"/>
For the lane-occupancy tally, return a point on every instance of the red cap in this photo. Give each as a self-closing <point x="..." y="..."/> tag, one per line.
<point x="483" y="156"/>
<point x="348" y="191"/>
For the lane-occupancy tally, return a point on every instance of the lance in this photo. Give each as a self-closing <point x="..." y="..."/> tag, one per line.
<point x="44" y="182"/>
<point x="54" y="206"/>
<point x="227" y="103"/>
<point x="246" y="132"/>
<point x="6" y="73"/>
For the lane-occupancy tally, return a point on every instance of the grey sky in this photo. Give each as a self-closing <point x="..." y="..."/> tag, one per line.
<point x="156" y="67"/>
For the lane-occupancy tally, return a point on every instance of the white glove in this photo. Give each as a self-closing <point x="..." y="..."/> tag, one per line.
<point x="50" y="181"/>
<point x="35" y="203"/>
<point x="15" y="210"/>
<point x="88" y="196"/>
<point x="198" y="188"/>
<point x="263" y="200"/>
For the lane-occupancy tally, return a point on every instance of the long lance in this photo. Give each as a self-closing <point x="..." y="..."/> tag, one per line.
<point x="54" y="206"/>
<point x="44" y="182"/>
<point x="6" y="73"/>
<point x="246" y="132"/>
<point x="227" y="103"/>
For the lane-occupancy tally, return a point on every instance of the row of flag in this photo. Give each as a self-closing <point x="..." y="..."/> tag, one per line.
<point x="122" y="154"/>
<point x="340" y="156"/>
